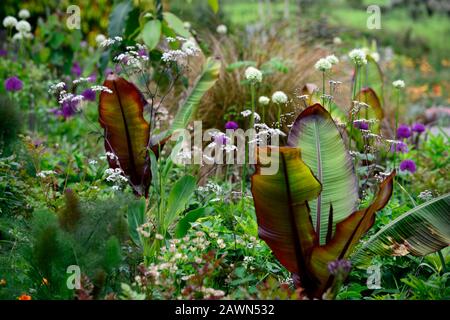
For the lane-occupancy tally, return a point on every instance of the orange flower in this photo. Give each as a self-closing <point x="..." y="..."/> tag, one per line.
<point x="24" y="297"/>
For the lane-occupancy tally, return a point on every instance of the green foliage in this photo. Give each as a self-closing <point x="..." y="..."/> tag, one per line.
<point x="10" y="125"/>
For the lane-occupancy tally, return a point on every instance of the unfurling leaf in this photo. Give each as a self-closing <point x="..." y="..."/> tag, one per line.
<point x="127" y="133"/>
<point x="368" y="96"/>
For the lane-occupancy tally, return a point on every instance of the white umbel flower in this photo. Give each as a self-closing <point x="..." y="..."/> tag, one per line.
<point x="358" y="56"/>
<point x="337" y="40"/>
<point x="279" y="97"/>
<point x="23" y="26"/>
<point x="253" y="75"/>
<point x="18" y="36"/>
<point x="100" y="38"/>
<point x="24" y="14"/>
<point x="332" y="59"/>
<point x="222" y="29"/>
<point x="9" y="22"/>
<point x="263" y="100"/>
<point x="323" y="65"/>
<point x="398" y="84"/>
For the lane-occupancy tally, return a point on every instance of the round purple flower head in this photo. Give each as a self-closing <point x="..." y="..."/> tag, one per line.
<point x="76" y="69"/>
<point x="362" y="125"/>
<point x="403" y="132"/>
<point x="89" y="94"/>
<point x="408" y="165"/>
<point x="3" y="53"/>
<point x="418" y="127"/>
<point x="339" y="267"/>
<point x="220" y="139"/>
<point x="399" y="147"/>
<point x="13" y="84"/>
<point x="231" y="125"/>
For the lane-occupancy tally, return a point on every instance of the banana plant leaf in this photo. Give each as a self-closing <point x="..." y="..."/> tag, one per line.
<point x="126" y="131"/>
<point x="368" y="95"/>
<point x="206" y="80"/>
<point x="420" y="231"/>
<point x="324" y="151"/>
<point x="373" y="77"/>
<point x="282" y="210"/>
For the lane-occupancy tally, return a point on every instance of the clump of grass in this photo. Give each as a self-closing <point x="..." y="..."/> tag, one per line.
<point x="10" y="125"/>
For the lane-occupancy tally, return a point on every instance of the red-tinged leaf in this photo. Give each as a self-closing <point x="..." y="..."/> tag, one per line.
<point x="347" y="234"/>
<point x="126" y="131"/>
<point x="368" y="96"/>
<point x="282" y="210"/>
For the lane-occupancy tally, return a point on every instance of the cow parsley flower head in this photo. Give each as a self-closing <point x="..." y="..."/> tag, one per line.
<point x="100" y="38"/>
<point x="263" y="100"/>
<point x="332" y="59"/>
<point x="279" y="97"/>
<point x="253" y="75"/>
<point x="323" y="65"/>
<point x="23" y="26"/>
<point x="358" y="56"/>
<point x="24" y="14"/>
<point x="398" y="84"/>
<point x="9" y="22"/>
<point x="222" y="29"/>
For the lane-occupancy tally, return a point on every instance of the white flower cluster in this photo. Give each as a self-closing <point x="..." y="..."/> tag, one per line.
<point x="45" y="173"/>
<point x="279" y="97"/>
<point x="253" y="75"/>
<point x="57" y="87"/>
<point x="426" y="195"/>
<point x="323" y="65"/>
<point x="101" y="88"/>
<point x="222" y="29"/>
<point x="263" y="100"/>
<point x="188" y="48"/>
<point x="9" y="22"/>
<point x="100" y="38"/>
<point x="398" y="84"/>
<point x="23" y="27"/>
<point x="110" y="41"/>
<point x="24" y="14"/>
<point x="211" y="187"/>
<point x="115" y="175"/>
<point x="358" y="56"/>
<point x="132" y="58"/>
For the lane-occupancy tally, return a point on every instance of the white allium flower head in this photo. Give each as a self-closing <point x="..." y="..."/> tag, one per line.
<point x="398" y="84"/>
<point x="18" y="36"/>
<point x="323" y="65"/>
<point x="222" y="29"/>
<point x="100" y="38"/>
<point x="9" y="22"/>
<point x="24" y="14"/>
<point x="332" y="59"/>
<point x="23" y="26"/>
<point x="337" y="40"/>
<point x="263" y="100"/>
<point x="279" y="97"/>
<point x="358" y="56"/>
<point x="253" y="75"/>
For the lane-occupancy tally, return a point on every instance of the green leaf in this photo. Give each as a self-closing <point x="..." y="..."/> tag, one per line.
<point x="176" y="24"/>
<point x="205" y="81"/>
<point x="240" y="64"/>
<point x="113" y="255"/>
<point x="152" y="33"/>
<point x="118" y="18"/>
<point x="372" y="76"/>
<point x="184" y="224"/>
<point x="179" y="197"/>
<point x="136" y="218"/>
<point x="420" y="231"/>
<point x="282" y="211"/>
<point x="324" y="151"/>
<point x="214" y="4"/>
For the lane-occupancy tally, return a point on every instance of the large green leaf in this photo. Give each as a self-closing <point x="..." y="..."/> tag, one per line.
<point x="179" y="197"/>
<point x="151" y="33"/>
<point x="118" y="18"/>
<point x="420" y="231"/>
<point x="127" y="133"/>
<point x="184" y="224"/>
<point x="214" y="4"/>
<point x="176" y="24"/>
<point x="136" y="218"/>
<point x="282" y="211"/>
<point x="324" y="151"/>
<point x="372" y="76"/>
<point x="206" y="80"/>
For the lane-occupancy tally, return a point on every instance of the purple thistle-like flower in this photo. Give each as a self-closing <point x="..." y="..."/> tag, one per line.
<point x="89" y="94"/>
<point x="231" y="125"/>
<point x="67" y="109"/>
<point x="408" y="165"/>
<point x="362" y="125"/>
<point x="418" y="127"/>
<point x="221" y="139"/>
<point x="339" y="267"/>
<point x="403" y="132"/>
<point x="13" y="84"/>
<point x="76" y="69"/>
<point x="3" y="53"/>
<point x="399" y="147"/>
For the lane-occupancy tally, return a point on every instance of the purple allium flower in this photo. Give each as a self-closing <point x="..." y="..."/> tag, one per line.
<point x="403" y="131"/>
<point x="408" y="165"/>
<point x="231" y="125"/>
<point x="108" y="71"/>
<point x="399" y="147"/>
<point x="13" y="84"/>
<point x="76" y="69"/>
<point x="67" y="109"/>
<point x="3" y="53"/>
<point x="220" y="139"/>
<point x="418" y="127"/>
<point x="339" y="267"/>
<point x="93" y="77"/>
<point x="362" y="125"/>
<point x="89" y="94"/>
